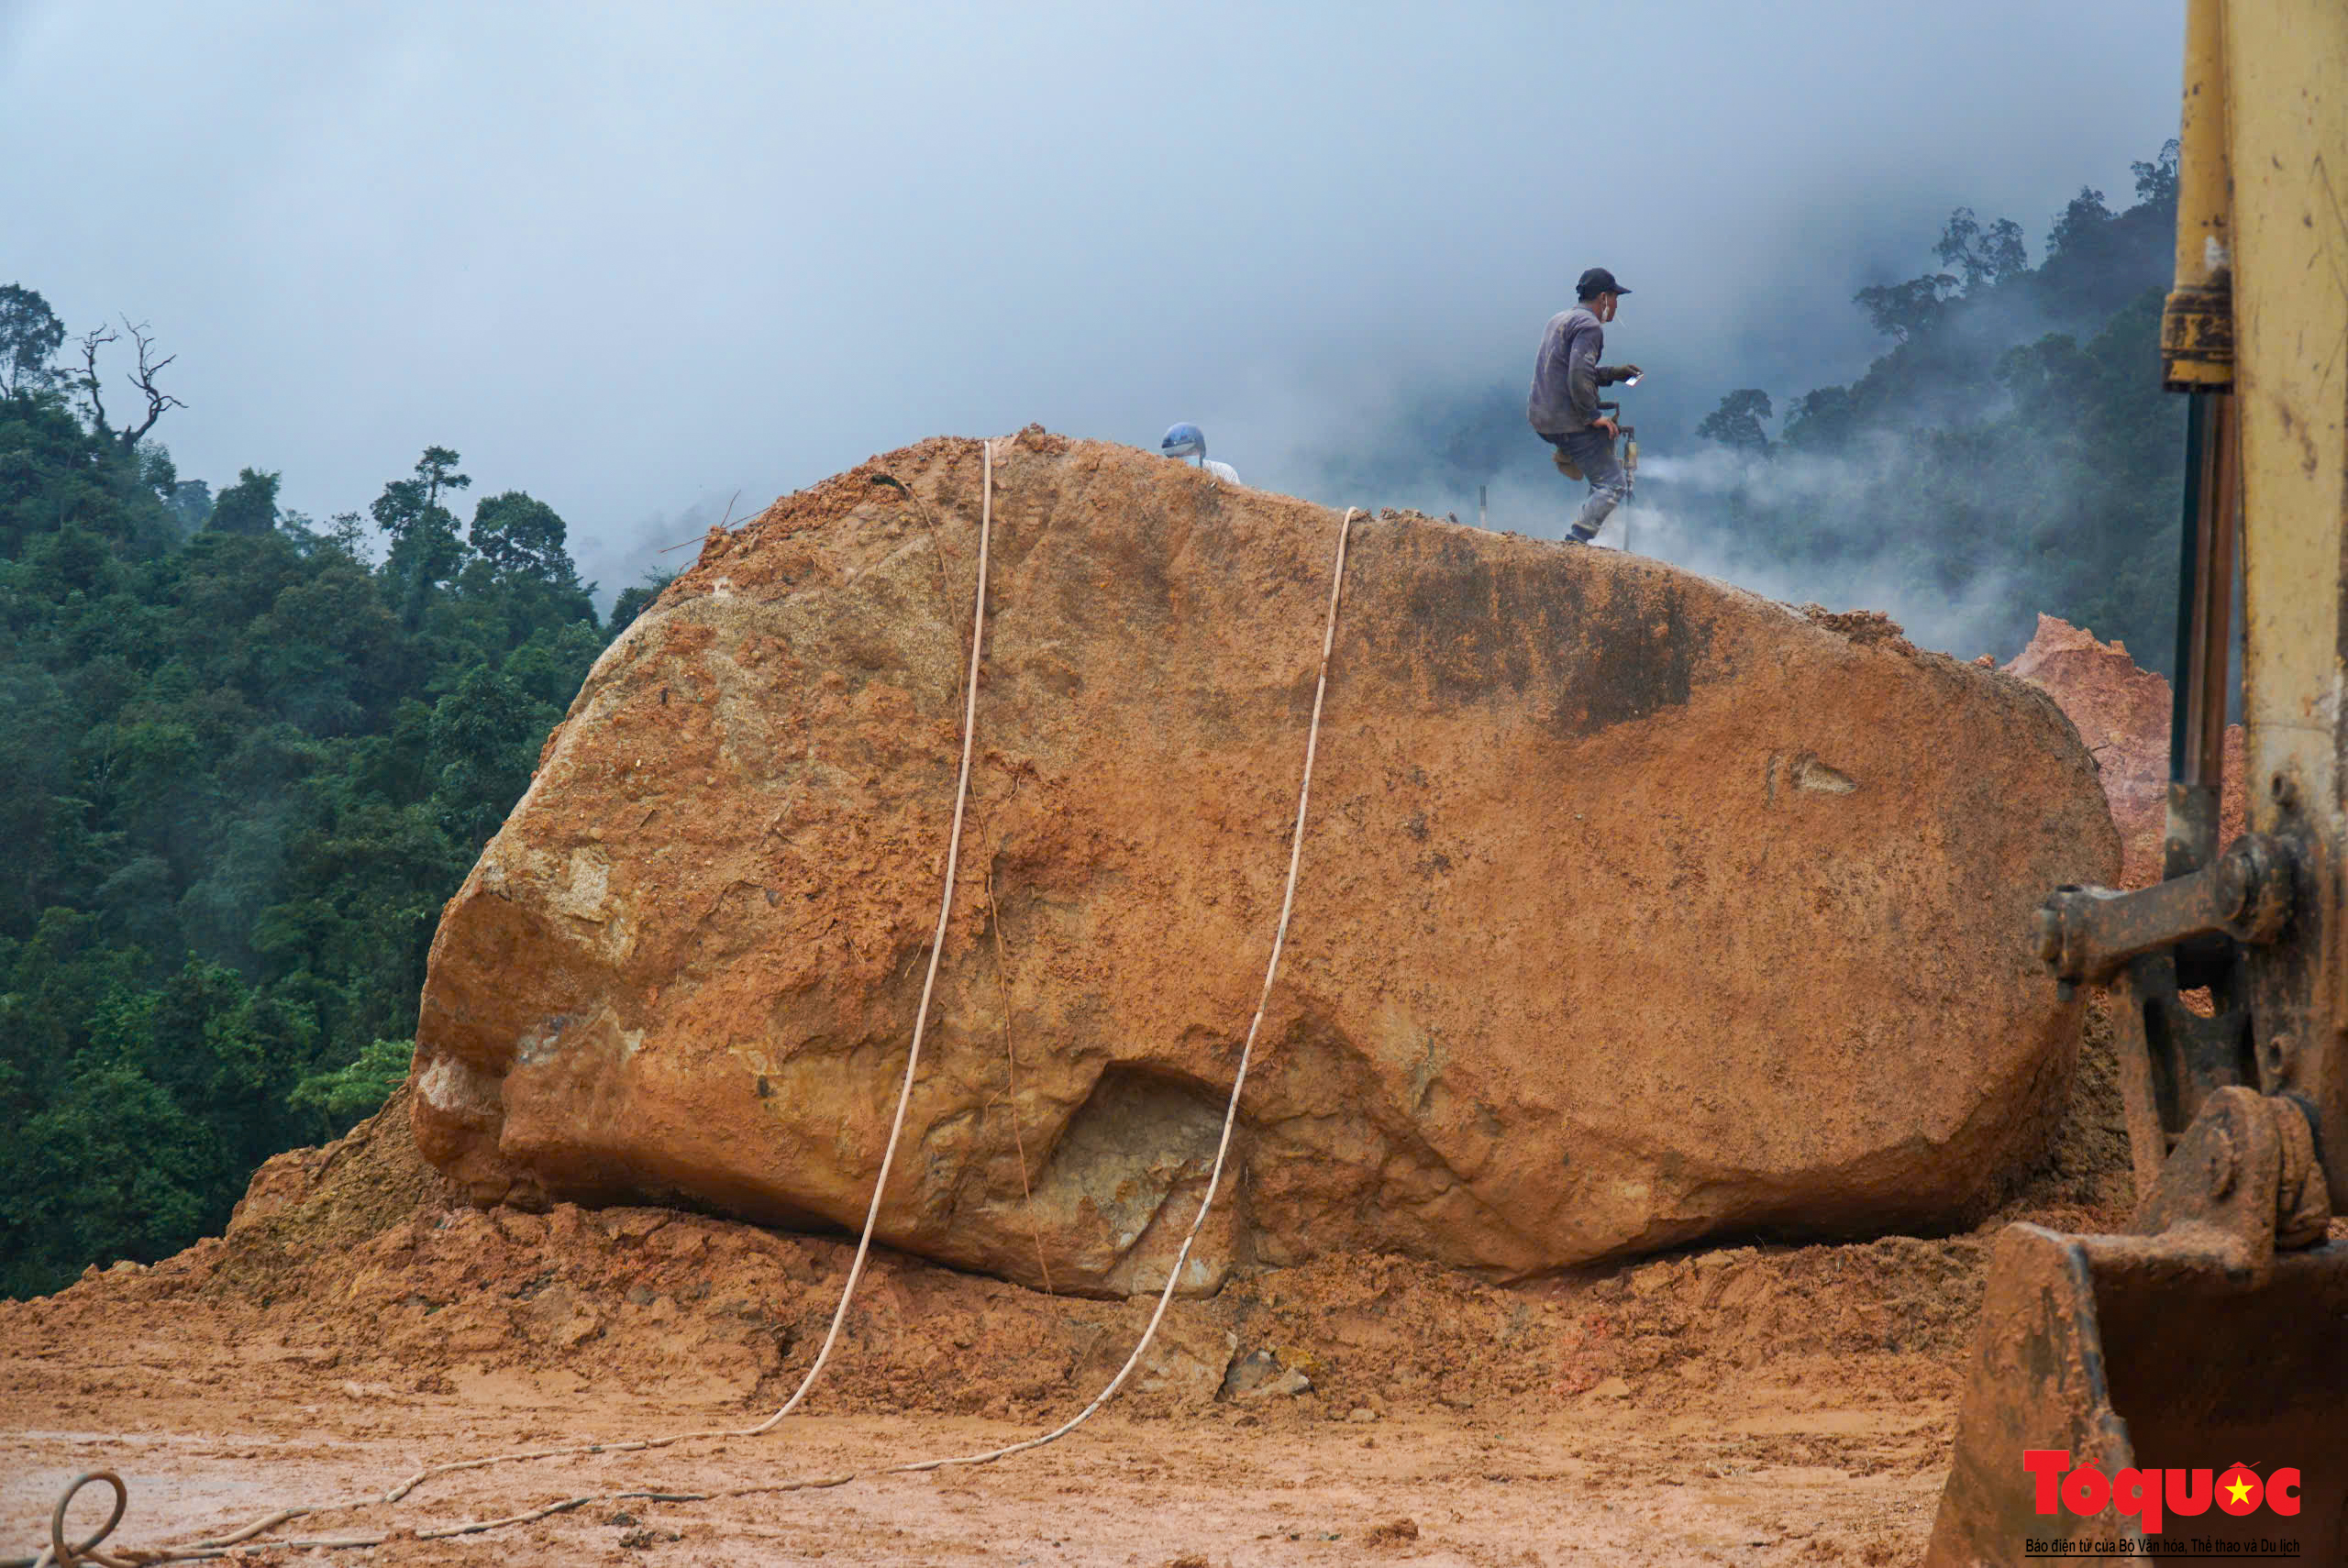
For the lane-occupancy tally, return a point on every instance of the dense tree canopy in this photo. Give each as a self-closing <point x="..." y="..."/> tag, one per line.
<point x="30" y="335"/>
<point x="243" y="769"/>
<point x="2015" y="434"/>
<point x="246" y="762"/>
<point x="1739" y="422"/>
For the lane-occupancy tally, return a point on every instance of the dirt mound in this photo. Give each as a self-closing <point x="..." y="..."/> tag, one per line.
<point x="2123" y="714"/>
<point x="1796" y="1397"/>
<point x="369" y="1272"/>
<point x="360" y="1317"/>
<point x="673" y="1306"/>
<point x="346" y="1192"/>
<point x="1636" y="908"/>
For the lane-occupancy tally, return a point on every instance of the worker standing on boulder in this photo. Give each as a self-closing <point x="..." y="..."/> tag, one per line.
<point x="1189" y="441"/>
<point x="1564" y="409"/>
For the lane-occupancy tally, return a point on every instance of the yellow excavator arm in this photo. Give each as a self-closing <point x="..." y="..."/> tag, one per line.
<point x="2184" y="1384"/>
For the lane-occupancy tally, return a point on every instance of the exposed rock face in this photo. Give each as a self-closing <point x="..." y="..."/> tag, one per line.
<point x="2122" y="714"/>
<point x="1634" y="908"/>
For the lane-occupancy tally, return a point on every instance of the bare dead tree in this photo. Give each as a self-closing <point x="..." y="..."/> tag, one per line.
<point x="149" y="367"/>
<point x="143" y="378"/>
<point x="91" y="341"/>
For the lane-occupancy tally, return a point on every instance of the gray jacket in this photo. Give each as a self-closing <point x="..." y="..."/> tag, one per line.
<point x="1564" y="378"/>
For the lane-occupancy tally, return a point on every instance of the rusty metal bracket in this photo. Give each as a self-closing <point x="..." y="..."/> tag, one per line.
<point x="2215" y="1202"/>
<point x="2087" y="935"/>
<point x="2198" y="337"/>
<point x="2172" y="1058"/>
<point x="2242" y="1184"/>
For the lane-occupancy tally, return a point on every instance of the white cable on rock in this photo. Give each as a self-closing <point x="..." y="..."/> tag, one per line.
<point x="913" y="1056"/>
<point x="888" y="1155"/>
<point x="1239" y="1080"/>
<point x="936" y="948"/>
<point x="215" y="1546"/>
<point x="1230" y="1110"/>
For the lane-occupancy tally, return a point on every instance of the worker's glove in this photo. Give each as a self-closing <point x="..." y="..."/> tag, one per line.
<point x="1609" y="375"/>
<point x="1565" y="465"/>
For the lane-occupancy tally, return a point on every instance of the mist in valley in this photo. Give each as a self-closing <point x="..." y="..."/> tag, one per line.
<point x="363" y="372"/>
<point x="637" y="261"/>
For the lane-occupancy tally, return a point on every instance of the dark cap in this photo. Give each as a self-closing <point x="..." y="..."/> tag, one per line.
<point x="1596" y="281"/>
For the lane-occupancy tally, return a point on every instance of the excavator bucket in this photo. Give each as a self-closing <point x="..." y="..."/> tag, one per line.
<point x="2125" y="1353"/>
<point x="2182" y="1391"/>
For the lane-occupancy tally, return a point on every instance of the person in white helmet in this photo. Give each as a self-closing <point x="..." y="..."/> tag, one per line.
<point x="1189" y="441"/>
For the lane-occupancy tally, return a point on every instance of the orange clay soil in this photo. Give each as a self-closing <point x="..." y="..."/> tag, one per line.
<point x="2122" y="714"/>
<point x="1750" y="1404"/>
<point x="1755" y="1404"/>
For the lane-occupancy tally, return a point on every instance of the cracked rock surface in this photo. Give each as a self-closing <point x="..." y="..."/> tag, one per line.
<point x="1634" y="908"/>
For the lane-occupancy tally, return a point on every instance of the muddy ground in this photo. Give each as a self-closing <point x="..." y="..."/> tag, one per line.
<point x="1765" y="1404"/>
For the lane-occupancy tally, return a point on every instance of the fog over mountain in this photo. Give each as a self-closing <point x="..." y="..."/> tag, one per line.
<point x="462" y="306"/>
<point x="637" y="260"/>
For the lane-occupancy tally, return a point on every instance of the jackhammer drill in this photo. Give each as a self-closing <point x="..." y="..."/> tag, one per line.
<point x="1572" y="470"/>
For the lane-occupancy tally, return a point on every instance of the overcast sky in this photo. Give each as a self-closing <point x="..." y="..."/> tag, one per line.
<point x="631" y="259"/>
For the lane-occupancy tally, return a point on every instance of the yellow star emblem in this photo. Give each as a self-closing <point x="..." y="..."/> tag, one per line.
<point x="2238" y="1489"/>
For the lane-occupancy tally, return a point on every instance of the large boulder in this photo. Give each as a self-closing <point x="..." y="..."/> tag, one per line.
<point x="2122" y="714"/>
<point x="1634" y="908"/>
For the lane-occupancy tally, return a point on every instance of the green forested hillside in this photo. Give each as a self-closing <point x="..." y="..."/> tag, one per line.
<point x="2013" y="447"/>
<point x="248" y="755"/>
<point x="243" y="765"/>
<point x="2008" y="451"/>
